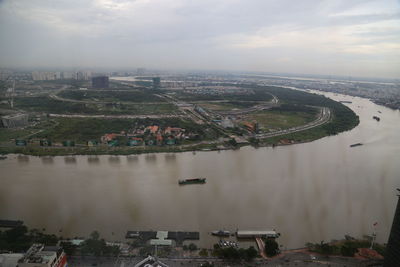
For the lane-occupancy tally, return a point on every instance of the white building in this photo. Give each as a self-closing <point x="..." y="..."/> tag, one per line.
<point x="40" y="256"/>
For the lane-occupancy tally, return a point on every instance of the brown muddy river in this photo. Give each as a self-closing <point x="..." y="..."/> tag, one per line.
<point x="308" y="192"/>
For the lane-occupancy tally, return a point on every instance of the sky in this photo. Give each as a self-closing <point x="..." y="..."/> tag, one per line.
<point x="331" y="37"/>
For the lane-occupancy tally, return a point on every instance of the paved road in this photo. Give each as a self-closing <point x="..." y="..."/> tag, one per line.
<point x="57" y="97"/>
<point x="158" y="116"/>
<point x="323" y="117"/>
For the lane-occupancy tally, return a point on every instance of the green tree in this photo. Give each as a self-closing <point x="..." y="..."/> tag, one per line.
<point x="232" y="142"/>
<point x="203" y="253"/>
<point x="271" y="247"/>
<point x="95" y="235"/>
<point x="192" y="247"/>
<point x="347" y="251"/>
<point x="251" y="253"/>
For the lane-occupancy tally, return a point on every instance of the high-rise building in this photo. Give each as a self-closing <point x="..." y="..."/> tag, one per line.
<point x="156" y="82"/>
<point x="141" y="71"/>
<point x="43" y="76"/>
<point x="100" y="82"/>
<point x="392" y="254"/>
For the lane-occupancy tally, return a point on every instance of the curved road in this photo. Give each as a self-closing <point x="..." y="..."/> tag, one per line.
<point x="323" y="117"/>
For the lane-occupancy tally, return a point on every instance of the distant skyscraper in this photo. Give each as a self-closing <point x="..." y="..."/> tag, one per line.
<point x="141" y="71"/>
<point x="100" y="82"/>
<point x="156" y="82"/>
<point x="392" y="254"/>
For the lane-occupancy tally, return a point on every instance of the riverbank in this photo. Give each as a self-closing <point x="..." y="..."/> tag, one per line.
<point x="305" y="136"/>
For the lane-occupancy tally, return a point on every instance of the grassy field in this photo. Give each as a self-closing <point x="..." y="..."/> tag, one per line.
<point x="49" y="105"/>
<point x="84" y="129"/>
<point x="130" y="95"/>
<point x="254" y="95"/>
<point x="226" y="106"/>
<point x="7" y="134"/>
<point x="273" y="120"/>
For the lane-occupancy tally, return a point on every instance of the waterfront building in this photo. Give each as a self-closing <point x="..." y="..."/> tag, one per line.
<point x="39" y="255"/>
<point x="100" y="82"/>
<point x="392" y="254"/>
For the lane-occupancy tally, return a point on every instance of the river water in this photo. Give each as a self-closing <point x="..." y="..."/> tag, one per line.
<point x="308" y="192"/>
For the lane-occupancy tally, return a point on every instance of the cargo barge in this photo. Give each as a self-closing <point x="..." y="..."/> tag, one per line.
<point x="192" y="181"/>
<point x="357" y="144"/>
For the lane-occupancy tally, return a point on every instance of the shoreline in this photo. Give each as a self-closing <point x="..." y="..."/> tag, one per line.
<point x="296" y="137"/>
<point x="61" y="151"/>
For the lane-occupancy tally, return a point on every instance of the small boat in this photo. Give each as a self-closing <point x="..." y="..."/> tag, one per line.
<point x="221" y="233"/>
<point x="357" y="144"/>
<point x="192" y="181"/>
<point x="376" y="118"/>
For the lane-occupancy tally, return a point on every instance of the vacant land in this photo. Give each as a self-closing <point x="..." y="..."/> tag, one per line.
<point x="49" y="105"/>
<point x="226" y="106"/>
<point x="277" y="120"/>
<point x="251" y="95"/>
<point x="8" y="134"/>
<point x="131" y="95"/>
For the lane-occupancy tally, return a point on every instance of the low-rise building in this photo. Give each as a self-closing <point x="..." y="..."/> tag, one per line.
<point x="39" y="255"/>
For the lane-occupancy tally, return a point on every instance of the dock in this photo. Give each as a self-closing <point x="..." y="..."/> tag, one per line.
<point x="255" y="234"/>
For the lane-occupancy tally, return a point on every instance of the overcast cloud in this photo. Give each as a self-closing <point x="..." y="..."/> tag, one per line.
<point x="349" y="37"/>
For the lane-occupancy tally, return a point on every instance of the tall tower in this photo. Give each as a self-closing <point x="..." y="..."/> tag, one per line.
<point x="392" y="254"/>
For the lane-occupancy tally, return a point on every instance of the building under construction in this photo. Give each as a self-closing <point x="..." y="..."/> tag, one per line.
<point x="15" y="120"/>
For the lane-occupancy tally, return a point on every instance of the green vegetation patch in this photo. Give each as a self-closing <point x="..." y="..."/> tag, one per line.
<point x="343" y="118"/>
<point x="9" y="134"/>
<point x="254" y="94"/>
<point x="225" y="106"/>
<point x="279" y="119"/>
<point x="125" y="96"/>
<point x="85" y="129"/>
<point x="49" y="105"/>
<point x="346" y="248"/>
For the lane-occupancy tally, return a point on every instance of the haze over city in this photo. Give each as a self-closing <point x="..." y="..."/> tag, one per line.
<point x="352" y="38"/>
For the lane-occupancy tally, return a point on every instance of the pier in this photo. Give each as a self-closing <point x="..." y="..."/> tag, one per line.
<point x="255" y="234"/>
